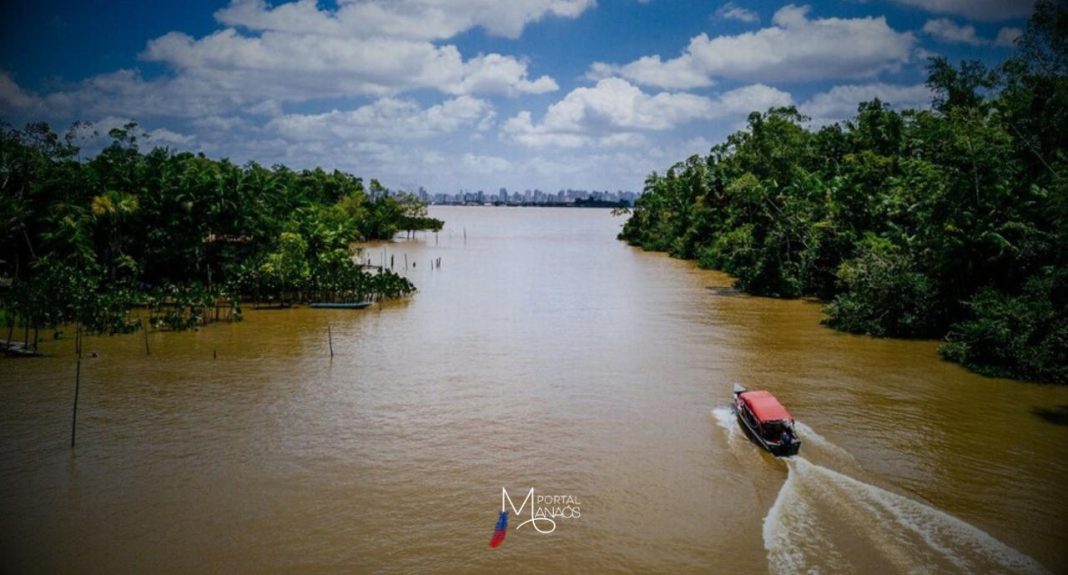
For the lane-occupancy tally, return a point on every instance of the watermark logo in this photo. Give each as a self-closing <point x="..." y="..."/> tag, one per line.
<point x="544" y="512"/>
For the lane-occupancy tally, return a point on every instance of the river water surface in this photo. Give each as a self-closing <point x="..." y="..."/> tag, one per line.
<point x="542" y="354"/>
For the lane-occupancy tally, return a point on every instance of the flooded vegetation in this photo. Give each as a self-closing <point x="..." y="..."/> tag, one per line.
<point x="946" y="223"/>
<point x="179" y="234"/>
<point x="540" y="353"/>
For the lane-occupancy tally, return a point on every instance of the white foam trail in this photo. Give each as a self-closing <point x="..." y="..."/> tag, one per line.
<point x="873" y="526"/>
<point x="811" y="439"/>
<point x="726" y="419"/>
<point x="737" y="442"/>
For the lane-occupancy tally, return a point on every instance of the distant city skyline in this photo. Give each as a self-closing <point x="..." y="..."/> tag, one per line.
<point x="525" y="197"/>
<point x="474" y="94"/>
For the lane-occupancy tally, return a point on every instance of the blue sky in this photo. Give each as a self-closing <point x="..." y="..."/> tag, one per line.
<point x="474" y="94"/>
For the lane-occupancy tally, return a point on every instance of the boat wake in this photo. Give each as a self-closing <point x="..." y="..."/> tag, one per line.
<point x="826" y="521"/>
<point x="820" y="449"/>
<point x="737" y="441"/>
<point x="725" y="418"/>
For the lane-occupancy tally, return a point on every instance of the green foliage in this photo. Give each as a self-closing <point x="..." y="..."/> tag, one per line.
<point x="881" y="293"/>
<point x="1025" y="335"/>
<point x="87" y="240"/>
<point x="909" y="223"/>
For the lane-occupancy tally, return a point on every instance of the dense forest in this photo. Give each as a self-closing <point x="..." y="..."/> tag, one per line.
<point x="948" y="222"/>
<point x="178" y="233"/>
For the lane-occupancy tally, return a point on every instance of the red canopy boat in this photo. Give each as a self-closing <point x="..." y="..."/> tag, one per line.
<point x="766" y="421"/>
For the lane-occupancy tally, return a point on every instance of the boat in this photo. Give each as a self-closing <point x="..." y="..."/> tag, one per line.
<point x="766" y="421"/>
<point x="340" y="305"/>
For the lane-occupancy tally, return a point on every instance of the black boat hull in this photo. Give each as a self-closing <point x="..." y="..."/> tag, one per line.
<point x="776" y="449"/>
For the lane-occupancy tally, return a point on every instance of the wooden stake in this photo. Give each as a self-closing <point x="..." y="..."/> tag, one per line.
<point x="77" y="386"/>
<point x="330" y="336"/>
<point x="144" y="328"/>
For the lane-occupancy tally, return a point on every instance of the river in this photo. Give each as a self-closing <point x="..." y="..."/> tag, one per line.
<point x="542" y="354"/>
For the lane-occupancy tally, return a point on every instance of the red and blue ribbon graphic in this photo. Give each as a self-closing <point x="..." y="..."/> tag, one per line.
<point x="500" y="531"/>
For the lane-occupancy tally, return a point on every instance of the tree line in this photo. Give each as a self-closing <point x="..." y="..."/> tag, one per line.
<point x="948" y="222"/>
<point x="87" y="241"/>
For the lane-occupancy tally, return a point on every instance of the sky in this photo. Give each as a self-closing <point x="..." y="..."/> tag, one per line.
<point x="458" y="95"/>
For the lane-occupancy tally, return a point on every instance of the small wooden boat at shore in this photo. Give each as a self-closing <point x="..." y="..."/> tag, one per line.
<point x="766" y="421"/>
<point x="18" y="349"/>
<point x="340" y="305"/>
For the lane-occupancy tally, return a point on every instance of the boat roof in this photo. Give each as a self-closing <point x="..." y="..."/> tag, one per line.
<point x="764" y="406"/>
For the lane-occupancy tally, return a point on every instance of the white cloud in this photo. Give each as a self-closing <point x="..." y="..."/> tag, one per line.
<point x="123" y="92"/>
<point x="387" y="119"/>
<point x="840" y="103"/>
<point x="753" y="98"/>
<point x="92" y="137"/>
<point x="989" y="10"/>
<point x="486" y="164"/>
<point x="732" y="11"/>
<point x="298" y="52"/>
<point x="617" y="113"/>
<point x="795" y="48"/>
<point x="413" y="19"/>
<point x="1007" y="37"/>
<point x="499" y="74"/>
<point x="297" y="66"/>
<point x="12" y="97"/>
<point x="950" y="32"/>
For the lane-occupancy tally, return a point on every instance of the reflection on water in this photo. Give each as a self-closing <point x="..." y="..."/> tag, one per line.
<point x="542" y="353"/>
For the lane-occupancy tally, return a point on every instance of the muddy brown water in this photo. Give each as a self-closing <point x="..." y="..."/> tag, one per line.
<point x="541" y="354"/>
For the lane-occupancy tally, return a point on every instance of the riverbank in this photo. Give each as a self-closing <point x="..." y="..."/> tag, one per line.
<point x="943" y="223"/>
<point x="544" y="354"/>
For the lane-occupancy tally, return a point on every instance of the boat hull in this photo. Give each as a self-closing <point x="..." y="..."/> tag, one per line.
<point x="777" y="449"/>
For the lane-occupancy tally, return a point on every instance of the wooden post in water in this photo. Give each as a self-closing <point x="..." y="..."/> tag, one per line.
<point x="405" y="262"/>
<point x="214" y="354"/>
<point x="144" y="328"/>
<point x="330" y="338"/>
<point x="77" y="385"/>
<point x="391" y="262"/>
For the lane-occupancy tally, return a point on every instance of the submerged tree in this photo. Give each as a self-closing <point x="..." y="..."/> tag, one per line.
<point x="945" y="222"/>
<point x="177" y="232"/>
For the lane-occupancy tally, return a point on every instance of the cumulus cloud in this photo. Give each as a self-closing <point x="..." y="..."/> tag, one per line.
<point x="299" y="66"/>
<point x="615" y="112"/>
<point x="123" y="92"/>
<point x="988" y="10"/>
<point x="499" y="74"/>
<point x="795" y="48"/>
<point x="840" y="103"/>
<point x="299" y="52"/>
<point x="387" y="119"/>
<point x="732" y="11"/>
<point x="12" y="97"/>
<point x="92" y="137"/>
<point x="1007" y="37"/>
<point x="481" y="164"/>
<point x="415" y="19"/>
<point x="950" y="32"/>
